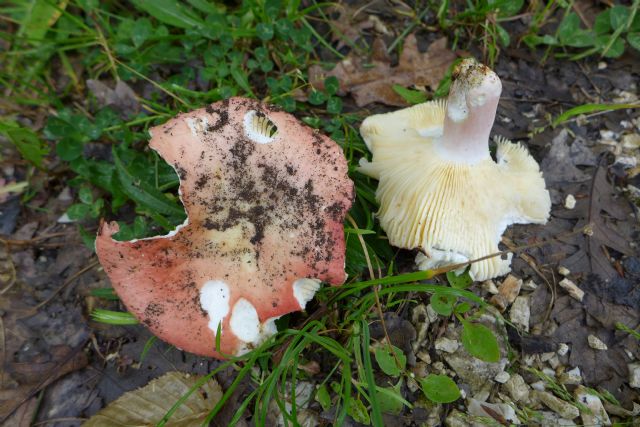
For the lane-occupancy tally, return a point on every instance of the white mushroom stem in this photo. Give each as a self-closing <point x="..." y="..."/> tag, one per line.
<point x="471" y="110"/>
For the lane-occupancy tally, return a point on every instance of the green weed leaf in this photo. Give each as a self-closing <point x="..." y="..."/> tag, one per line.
<point x="462" y="281"/>
<point x="390" y="398"/>
<point x="602" y="24"/>
<point x="618" y="16"/>
<point x="388" y="363"/>
<point x="170" y="12"/>
<point x="264" y="31"/>
<point x="568" y="27"/>
<point x="69" y="149"/>
<point x="503" y="35"/>
<point x="331" y="85"/>
<point x="440" y="388"/>
<point x="634" y="40"/>
<point x="442" y="304"/>
<point x="480" y="342"/>
<point x="334" y="105"/>
<point x="27" y="142"/>
<point x="358" y="412"/>
<point x="144" y="194"/>
<point x="142" y="29"/>
<point x="323" y="397"/>
<point x="39" y="17"/>
<point x="205" y="6"/>
<point x="506" y="7"/>
<point x="411" y="96"/>
<point x="616" y="50"/>
<point x="78" y="211"/>
<point x="85" y="196"/>
<point x="317" y="98"/>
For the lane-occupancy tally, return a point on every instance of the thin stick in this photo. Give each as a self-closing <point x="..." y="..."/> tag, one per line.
<point x="375" y="290"/>
<point x="65" y="284"/>
<point x="452" y="267"/>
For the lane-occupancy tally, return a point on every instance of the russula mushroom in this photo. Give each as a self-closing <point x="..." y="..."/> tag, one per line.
<point x="439" y="189"/>
<point x="265" y="197"/>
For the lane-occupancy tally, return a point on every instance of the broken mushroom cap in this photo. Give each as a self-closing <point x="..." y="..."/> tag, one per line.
<point x="265" y="198"/>
<point x="439" y="189"/>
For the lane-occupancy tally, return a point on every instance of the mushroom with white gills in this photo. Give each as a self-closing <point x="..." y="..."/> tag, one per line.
<point x="439" y="189"/>
<point x="265" y="197"/>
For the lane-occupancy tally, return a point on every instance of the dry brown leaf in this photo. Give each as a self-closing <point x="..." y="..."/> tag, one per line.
<point x="603" y="212"/>
<point x="373" y="81"/>
<point x="149" y="404"/>
<point x="22" y="378"/>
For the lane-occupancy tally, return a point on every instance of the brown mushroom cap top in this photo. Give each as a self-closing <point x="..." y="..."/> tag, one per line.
<point x="265" y="198"/>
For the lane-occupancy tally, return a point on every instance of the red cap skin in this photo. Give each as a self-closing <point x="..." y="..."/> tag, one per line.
<point x="261" y="215"/>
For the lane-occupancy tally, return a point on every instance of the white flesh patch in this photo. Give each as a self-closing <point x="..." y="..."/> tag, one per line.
<point x="244" y="322"/>
<point x="199" y="124"/>
<point x="214" y="299"/>
<point x="438" y="258"/>
<point x="457" y="109"/>
<point x="267" y="329"/>
<point x="304" y="290"/>
<point x="258" y="128"/>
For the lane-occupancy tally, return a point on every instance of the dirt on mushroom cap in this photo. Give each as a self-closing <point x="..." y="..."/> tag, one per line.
<point x="262" y="214"/>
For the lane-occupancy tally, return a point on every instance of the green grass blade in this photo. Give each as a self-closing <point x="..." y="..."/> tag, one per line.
<point x="113" y="317"/>
<point x="376" y="413"/>
<point x="170" y="12"/>
<point x="589" y="108"/>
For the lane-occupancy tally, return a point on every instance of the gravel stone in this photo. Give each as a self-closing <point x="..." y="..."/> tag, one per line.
<point x="572" y="289"/>
<point x="559" y="406"/>
<point x="447" y="345"/>
<point x="569" y="203"/>
<point x="502" y="377"/>
<point x="521" y="312"/>
<point x="517" y="388"/>
<point x="507" y="292"/>
<point x="529" y="285"/>
<point x="571" y="377"/>
<point x="490" y="287"/>
<point x="598" y="415"/>
<point x="634" y="375"/>
<point x="562" y="349"/>
<point x="595" y="343"/>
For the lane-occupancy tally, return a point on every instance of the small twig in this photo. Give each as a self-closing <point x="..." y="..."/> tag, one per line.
<point x="529" y="260"/>
<point x="65" y="284"/>
<point x="57" y="420"/>
<point x="3" y="352"/>
<point x="375" y="290"/>
<point x="27" y="242"/>
<point x="453" y="267"/>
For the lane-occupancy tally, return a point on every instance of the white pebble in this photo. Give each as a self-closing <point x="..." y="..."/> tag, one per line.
<point x="570" y="201"/>
<point x="596" y="343"/>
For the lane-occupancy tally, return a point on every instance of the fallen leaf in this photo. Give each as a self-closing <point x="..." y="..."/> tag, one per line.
<point x="560" y="163"/>
<point x="122" y="98"/>
<point x="401" y="331"/>
<point x="149" y="404"/>
<point x="346" y="24"/>
<point x="29" y="362"/>
<point x="34" y="375"/>
<point x="595" y="315"/>
<point x="604" y="212"/>
<point x="373" y="81"/>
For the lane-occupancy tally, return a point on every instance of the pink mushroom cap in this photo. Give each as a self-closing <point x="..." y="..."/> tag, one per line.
<point x="265" y="225"/>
